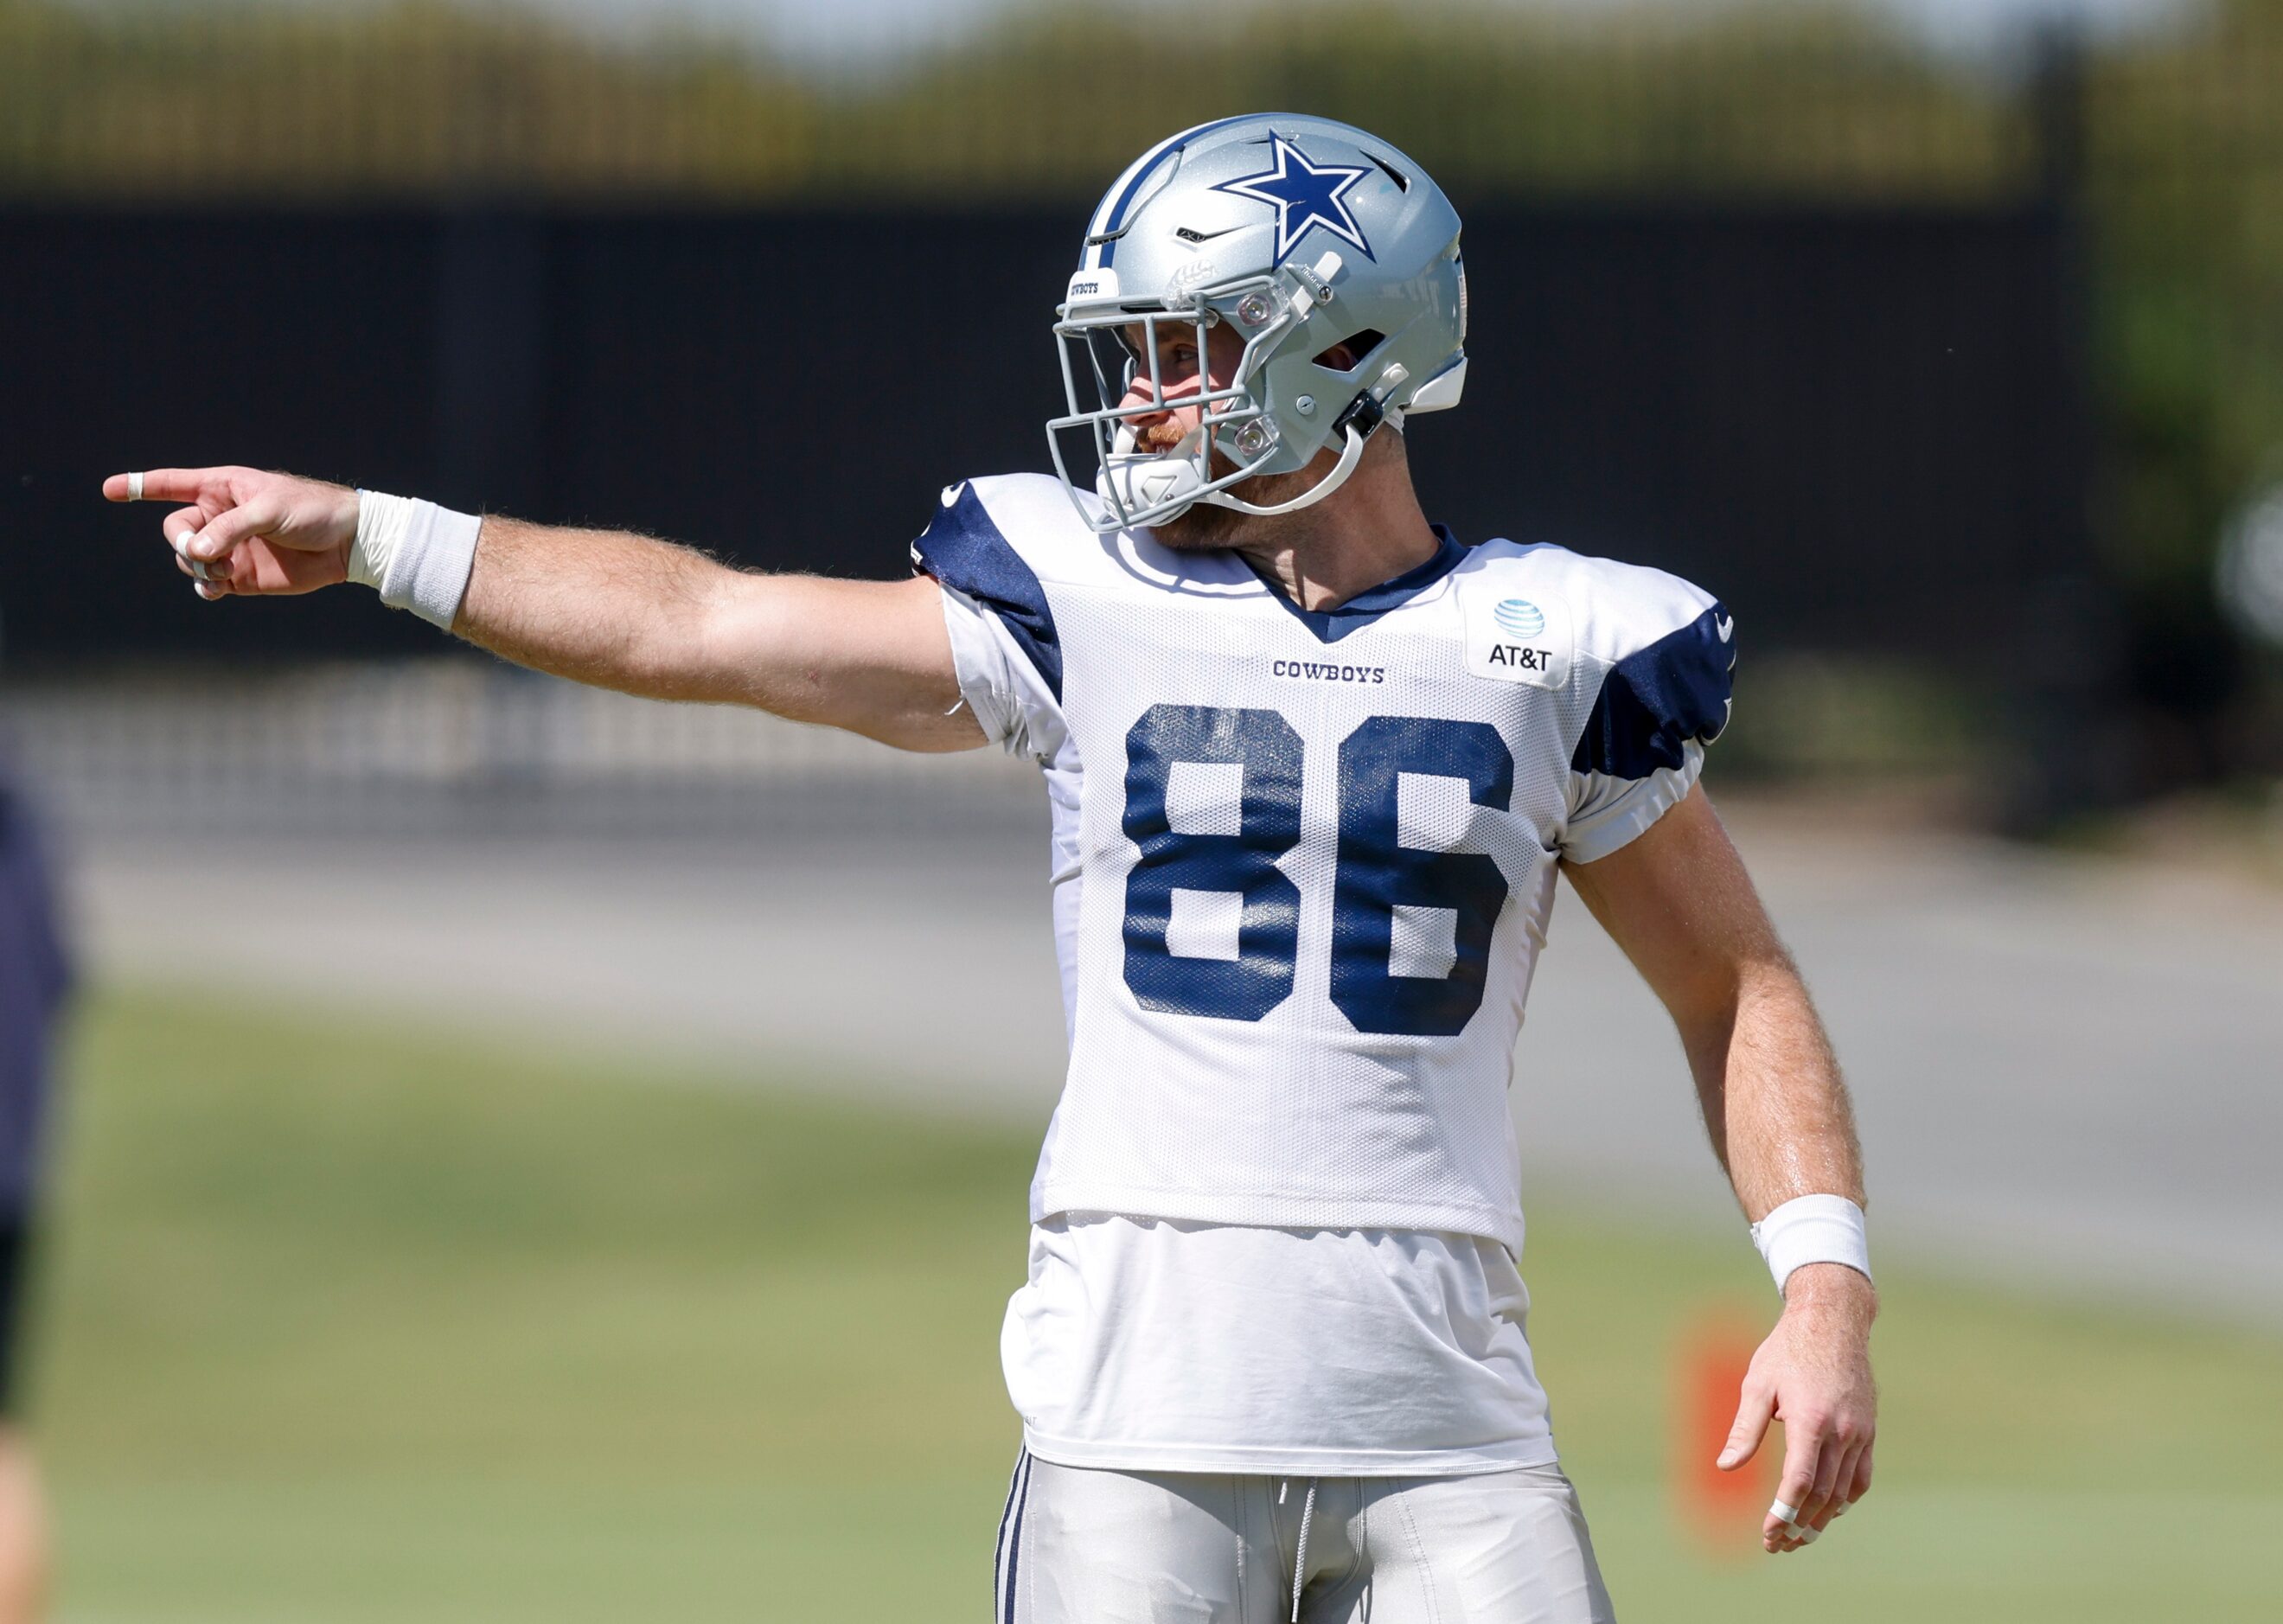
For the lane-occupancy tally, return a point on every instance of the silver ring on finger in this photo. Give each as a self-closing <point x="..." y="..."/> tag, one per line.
<point x="135" y="488"/>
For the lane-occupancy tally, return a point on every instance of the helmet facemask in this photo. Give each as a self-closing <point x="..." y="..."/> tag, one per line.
<point x="1107" y="345"/>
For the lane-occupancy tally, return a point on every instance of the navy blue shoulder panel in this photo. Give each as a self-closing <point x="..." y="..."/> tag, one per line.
<point x="1655" y="700"/>
<point x="965" y="550"/>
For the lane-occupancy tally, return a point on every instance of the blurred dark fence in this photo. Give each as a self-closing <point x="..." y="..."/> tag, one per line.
<point x="1861" y="426"/>
<point x="1973" y="357"/>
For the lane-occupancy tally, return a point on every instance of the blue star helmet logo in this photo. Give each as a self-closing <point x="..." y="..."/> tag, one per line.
<point x="1304" y="194"/>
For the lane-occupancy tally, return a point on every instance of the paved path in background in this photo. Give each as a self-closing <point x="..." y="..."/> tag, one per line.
<point x="2065" y="1068"/>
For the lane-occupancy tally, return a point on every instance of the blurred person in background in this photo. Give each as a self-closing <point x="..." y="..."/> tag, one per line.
<point x="1315" y="767"/>
<point x="34" y="980"/>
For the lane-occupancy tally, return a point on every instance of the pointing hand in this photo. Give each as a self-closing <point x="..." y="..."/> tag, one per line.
<point x="246" y="532"/>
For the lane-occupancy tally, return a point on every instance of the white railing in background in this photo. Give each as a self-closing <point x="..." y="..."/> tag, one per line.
<point x="463" y="748"/>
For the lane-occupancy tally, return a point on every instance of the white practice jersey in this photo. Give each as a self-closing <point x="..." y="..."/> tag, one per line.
<point x="1303" y="861"/>
<point x="1160" y="1345"/>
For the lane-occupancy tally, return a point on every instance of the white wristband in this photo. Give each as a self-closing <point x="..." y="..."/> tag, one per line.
<point x="1813" y="1229"/>
<point x="419" y="555"/>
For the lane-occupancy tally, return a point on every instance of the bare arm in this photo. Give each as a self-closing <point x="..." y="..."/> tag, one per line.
<point x="1680" y="903"/>
<point x="650" y="618"/>
<point x="612" y="609"/>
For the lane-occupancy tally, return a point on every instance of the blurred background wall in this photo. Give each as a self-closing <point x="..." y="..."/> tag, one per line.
<point x="1943" y="340"/>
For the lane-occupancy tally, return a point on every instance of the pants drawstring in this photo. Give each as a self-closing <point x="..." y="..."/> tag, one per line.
<point x="1300" y="1561"/>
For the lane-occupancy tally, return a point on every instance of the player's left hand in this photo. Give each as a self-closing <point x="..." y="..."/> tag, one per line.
<point x="1813" y="1374"/>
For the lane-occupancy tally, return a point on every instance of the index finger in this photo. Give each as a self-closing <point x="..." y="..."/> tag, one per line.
<point x="162" y="485"/>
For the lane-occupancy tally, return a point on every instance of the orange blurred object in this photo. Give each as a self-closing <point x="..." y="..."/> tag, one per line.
<point x="1724" y="1508"/>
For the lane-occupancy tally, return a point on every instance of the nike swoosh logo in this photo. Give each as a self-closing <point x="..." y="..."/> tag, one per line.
<point x="1725" y="627"/>
<point x="951" y="495"/>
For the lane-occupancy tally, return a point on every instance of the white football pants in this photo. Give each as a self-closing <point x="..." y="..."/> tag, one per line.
<point x="1078" y="1546"/>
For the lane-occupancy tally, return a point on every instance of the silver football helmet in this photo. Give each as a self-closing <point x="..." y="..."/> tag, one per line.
<point x="1301" y="235"/>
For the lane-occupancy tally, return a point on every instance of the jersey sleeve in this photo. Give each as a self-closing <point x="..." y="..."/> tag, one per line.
<point x="1642" y="747"/>
<point x="1003" y="641"/>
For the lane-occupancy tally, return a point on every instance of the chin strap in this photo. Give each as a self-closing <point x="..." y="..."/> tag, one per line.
<point x="1349" y="456"/>
<point x="1364" y="414"/>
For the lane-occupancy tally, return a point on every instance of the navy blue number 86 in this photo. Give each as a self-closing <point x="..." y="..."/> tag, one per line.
<point x="1376" y="873"/>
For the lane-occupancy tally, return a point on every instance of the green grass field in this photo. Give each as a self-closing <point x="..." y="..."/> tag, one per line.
<point x="347" y="1326"/>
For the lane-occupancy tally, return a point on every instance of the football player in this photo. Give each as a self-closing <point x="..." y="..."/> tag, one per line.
<point x="34" y="979"/>
<point x="1315" y="766"/>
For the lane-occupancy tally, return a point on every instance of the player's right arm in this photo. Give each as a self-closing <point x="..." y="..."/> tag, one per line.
<point x="606" y="607"/>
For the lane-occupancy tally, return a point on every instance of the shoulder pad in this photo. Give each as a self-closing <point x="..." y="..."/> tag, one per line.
<point x="1664" y="650"/>
<point x="986" y="542"/>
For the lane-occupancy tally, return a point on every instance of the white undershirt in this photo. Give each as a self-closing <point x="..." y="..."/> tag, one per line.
<point x="1153" y="1345"/>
